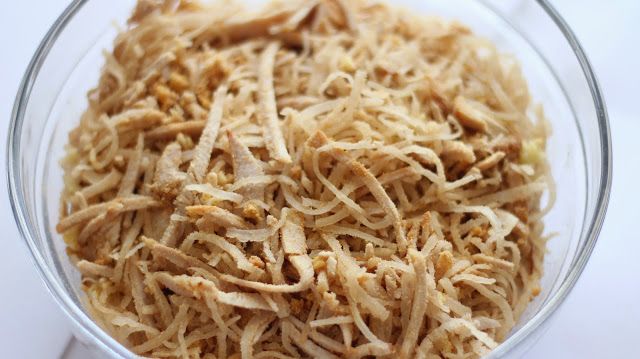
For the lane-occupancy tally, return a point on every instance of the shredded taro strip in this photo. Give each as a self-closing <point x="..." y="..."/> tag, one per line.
<point x="317" y="178"/>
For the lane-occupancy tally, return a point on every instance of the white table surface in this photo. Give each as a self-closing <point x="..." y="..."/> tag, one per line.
<point x="600" y="318"/>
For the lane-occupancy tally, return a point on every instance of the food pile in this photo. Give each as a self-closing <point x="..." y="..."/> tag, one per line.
<point x="318" y="178"/>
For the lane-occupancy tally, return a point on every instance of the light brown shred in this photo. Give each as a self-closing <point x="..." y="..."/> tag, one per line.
<point x="490" y="161"/>
<point x="130" y="177"/>
<point x="137" y="119"/>
<point x="103" y="185"/>
<point x="468" y="115"/>
<point x="245" y="166"/>
<point x="130" y="203"/>
<point x="91" y="269"/>
<point x="199" y="288"/>
<point x="168" y="180"/>
<point x="320" y="139"/>
<point x="313" y="178"/>
<point x="202" y="152"/>
<point x="419" y="305"/>
<point x="271" y="130"/>
<point x="216" y="216"/>
<point x="294" y="246"/>
<point x="171" y="131"/>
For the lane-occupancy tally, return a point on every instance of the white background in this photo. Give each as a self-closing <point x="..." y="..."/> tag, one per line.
<point x="600" y="318"/>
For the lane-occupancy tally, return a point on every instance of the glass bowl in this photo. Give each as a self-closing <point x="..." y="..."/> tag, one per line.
<point x="67" y="64"/>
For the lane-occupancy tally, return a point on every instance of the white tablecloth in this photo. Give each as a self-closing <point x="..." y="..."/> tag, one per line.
<point x="601" y="317"/>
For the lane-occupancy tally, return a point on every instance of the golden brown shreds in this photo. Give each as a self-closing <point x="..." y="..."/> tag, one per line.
<point x="301" y="263"/>
<point x="165" y="314"/>
<point x="169" y="332"/>
<point x="469" y="115"/>
<point x="252" y="332"/>
<point x="238" y="29"/>
<point x="126" y="204"/>
<point x="356" y="180"/>
<point x="234" y="252"/>
<point x="268" y="111"/>
<point x="458" y="151"/>
<point x="131" y="174"/>
<point x="91" y="269"/>
<point x="202" y="153"/>
<point x="444" y="263"/>
<point x="308" y="346"/>
<point x="153" y="70"/>
<point x="245" y="166"/>
<point x="405" y="173"/>
<point x="140" y="298"/>
<point x="370" y="181"/>
<point x="326" y="342"/>
<point x="418" y="306"/>
<point x="200" y="288"/>
<point x="98" y="222"/>
<point x="305" y="9"/>
<point x="174" y="256"/>
<point x="292" y="235"/>
<point x="490" y="161"/>
<point x="170" y="131"/>
<point x="168" y="180"/>
<point x="104" y="184"/>
<point x="297" y="102"/>
<point x="137" y="119"/>
<point x="483" y="258"/>
<point x="214" y="215"/>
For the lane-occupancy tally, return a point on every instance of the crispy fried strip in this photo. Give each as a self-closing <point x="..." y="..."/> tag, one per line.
<point x="140" y="297"/>
<point x="294" y="245"/>
<point x="202" y="152"/>
<point x="216" y="215"/>
<point x="320" y="140"/>
<point x="252" y="332"/>
<point x="173" y="255"/>
<point x="130" y="177"/>
<point x="305" y="344"/>
<point x="166" y="334"/>
<point x="268" y="111"/>
<point x="137" y="119"/>
<point x="104" y="184"/>
<point x="168" y="180"/>
<point x="98" y="222"/>
<point x="223" y="244"/>
<point x="198" y="165"/>
<point x="94" y="270"/>
<point x="170" y="131"/>
<point x="245" y="166"/>
<point x="418" y="306"/>
<point x="131" y="203"/>
<point x="198" y="288"/>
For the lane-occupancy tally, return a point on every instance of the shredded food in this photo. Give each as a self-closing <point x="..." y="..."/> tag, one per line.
<point x="316" y="178"/>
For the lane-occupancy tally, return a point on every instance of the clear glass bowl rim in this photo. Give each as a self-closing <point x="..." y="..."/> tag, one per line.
<point x="109" y="345"/>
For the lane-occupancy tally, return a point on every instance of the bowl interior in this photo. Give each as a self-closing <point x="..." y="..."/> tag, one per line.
<point x="67" y="92"/>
